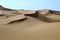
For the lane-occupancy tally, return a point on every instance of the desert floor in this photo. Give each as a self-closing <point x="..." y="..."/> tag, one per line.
<point x="30" y="29"/>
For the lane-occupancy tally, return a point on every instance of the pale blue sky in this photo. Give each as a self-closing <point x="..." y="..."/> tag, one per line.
<point x="31" y="4"/>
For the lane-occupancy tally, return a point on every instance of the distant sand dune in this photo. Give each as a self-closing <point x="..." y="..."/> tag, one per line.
<point x="49" y="16"/>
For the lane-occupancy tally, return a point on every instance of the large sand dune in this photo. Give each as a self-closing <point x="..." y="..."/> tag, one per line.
<point x="29" y="25"/>
<point x="49" y="15"/>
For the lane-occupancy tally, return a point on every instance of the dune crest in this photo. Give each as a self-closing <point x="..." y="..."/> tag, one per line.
<point x="29" y="24"/>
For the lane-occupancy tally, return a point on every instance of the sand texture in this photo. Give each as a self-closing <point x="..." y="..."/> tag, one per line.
<point x="29" y="24"/>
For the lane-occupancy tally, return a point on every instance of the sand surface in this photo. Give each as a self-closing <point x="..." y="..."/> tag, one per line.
<point x="31" y="28"/>
<point x="18" y="30"/>
<point x="46" y="31"/>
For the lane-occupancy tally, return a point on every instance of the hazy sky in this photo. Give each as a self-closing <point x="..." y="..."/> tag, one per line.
<point x="31" y="4"/>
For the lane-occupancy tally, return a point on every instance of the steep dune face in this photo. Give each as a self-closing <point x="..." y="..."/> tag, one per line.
<point x="49" y="15"/>
<point x="48" y="31"/>
<point x="31" y="13"/>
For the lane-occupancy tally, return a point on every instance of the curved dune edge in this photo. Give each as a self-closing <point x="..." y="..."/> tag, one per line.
<point x="47" y="31"/>
<point x="13" y="18"/>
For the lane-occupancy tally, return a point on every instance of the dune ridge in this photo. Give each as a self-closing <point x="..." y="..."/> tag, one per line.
<point x="29" y="24"/>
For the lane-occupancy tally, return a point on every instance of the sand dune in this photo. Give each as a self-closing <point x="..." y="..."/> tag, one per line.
<point x="49" y="15"/>
<point x="29" y="24"/>
<point x="11" y="19"/>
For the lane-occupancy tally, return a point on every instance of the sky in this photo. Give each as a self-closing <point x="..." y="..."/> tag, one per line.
<point x="31" y="4"/>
